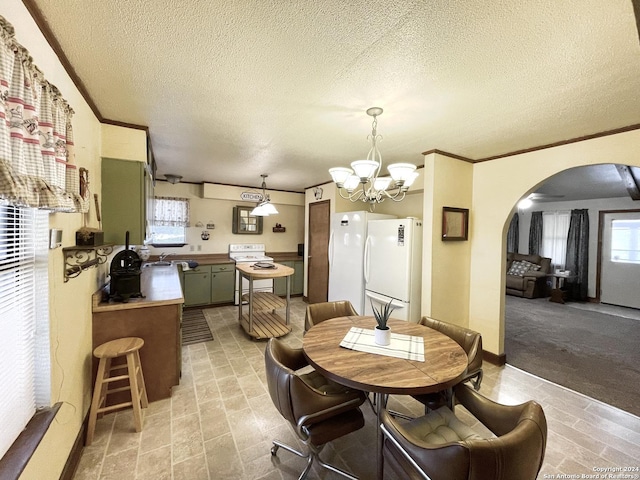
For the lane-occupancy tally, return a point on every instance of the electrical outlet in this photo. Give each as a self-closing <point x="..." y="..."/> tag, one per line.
<point x="191" y="248"/>
<point x="199" y="247"/>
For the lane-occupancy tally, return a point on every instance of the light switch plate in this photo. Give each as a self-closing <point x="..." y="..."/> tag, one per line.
<point x="55" y="238"/>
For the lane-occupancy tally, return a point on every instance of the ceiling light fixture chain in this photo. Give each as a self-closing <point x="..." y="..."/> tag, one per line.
<point x="366" y="174"/>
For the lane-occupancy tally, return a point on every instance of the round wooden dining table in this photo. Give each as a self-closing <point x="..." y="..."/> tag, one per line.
<point x="444" y="366"/>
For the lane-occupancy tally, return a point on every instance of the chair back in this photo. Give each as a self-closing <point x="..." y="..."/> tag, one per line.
<point x="319" y="312"/>
<point x="280" y="363"/>
<point x="516" y="453"/>
<point x="469" y="340"/>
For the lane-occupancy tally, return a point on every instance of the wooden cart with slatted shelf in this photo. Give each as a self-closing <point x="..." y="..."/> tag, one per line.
<point x="259" y="317"/>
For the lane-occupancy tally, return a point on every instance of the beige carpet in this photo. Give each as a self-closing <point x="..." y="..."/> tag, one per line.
<point x="588" y="351"/>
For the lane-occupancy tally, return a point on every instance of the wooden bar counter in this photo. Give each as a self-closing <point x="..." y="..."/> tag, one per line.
<point x="156" y="318"/>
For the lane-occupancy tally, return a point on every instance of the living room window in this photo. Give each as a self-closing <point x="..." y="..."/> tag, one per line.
<point x="555" y="228"/>
<point x="24" y="319"/>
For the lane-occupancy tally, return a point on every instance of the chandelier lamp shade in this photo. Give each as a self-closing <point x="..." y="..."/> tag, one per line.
<point x="265" y="207"/>
<point x="362" y="182"/>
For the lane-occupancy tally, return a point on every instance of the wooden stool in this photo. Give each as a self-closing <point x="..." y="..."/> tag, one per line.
<point x="129" y="347"/>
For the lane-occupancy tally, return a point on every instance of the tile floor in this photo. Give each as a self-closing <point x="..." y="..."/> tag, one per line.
<point x="220" y="421"/>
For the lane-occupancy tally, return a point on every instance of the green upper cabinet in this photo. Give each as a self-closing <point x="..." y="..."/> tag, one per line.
<point x="124" y="199"/>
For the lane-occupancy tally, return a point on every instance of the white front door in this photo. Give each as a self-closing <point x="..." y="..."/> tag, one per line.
<point x="620" y="268"/>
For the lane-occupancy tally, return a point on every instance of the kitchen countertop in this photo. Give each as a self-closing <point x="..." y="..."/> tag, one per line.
<point x="279" y="271"/>
<point x="218" y="258"/>
<point x="284" y="256"/>
<point x="203" y="259"/>
<point x="159" y="285"/>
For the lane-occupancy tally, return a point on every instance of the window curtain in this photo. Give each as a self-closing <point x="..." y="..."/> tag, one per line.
<point x="513" y="235"/>
<point x="535" y="233"/>
<point x="578" y="254"/>
<point x="555" y="226"/>
<point x="171" y="212"/>
<point x="36" y="137"/>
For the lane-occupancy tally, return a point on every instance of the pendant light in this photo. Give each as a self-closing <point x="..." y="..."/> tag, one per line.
<point x="264" y="208"/>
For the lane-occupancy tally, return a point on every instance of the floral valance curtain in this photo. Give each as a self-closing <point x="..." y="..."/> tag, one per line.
<point x="36" y="137"/>
<point x="171" y="212"/>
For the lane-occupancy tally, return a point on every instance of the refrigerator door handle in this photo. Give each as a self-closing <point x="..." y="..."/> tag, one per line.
<point x="366" y="260"/>
<point x="331" y="249"/>
<point x="384" y="300"/>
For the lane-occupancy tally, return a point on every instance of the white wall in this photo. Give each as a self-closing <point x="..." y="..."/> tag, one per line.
<point x="497" y="187"/>
<point x="70" y="302"/>
<point x="220" y="213"/>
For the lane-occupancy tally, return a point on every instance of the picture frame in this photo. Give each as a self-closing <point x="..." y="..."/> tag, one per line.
<point x="455" y="224"/>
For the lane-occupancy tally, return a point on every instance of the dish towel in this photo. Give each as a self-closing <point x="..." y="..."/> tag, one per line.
<point x="407" y="347"/>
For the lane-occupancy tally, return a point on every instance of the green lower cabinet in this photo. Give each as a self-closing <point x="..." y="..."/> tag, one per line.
<point x="222" y="283"/>
<point x="209" y="285"/>
<point x="297" y="282"/>
<point x="197" y="286"/>
<point x="297" y="279"/>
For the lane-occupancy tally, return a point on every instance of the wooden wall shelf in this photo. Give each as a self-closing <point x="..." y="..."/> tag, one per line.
<point x="78" y="259"/>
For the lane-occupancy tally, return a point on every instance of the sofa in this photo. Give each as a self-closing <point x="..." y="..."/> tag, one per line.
<point x="527" y="275"/>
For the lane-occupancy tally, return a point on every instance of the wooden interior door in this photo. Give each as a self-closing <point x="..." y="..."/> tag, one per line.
<point x="318" y="253"/>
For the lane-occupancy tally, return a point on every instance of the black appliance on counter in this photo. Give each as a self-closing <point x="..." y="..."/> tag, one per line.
<point x="125" y="274"/>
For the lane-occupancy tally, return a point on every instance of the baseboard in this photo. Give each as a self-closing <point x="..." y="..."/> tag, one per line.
<point x="498" y="360"/>
<point x="75" y="454"/>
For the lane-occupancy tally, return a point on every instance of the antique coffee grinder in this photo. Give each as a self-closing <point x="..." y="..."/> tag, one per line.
<point x="125" y="274"/>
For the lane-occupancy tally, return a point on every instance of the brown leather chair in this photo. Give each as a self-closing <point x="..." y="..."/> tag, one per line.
<point x="319" y="409"/>
<point x="439" y="446"/>
<point x="319" y="312"/>
<point x="471" y="343"/>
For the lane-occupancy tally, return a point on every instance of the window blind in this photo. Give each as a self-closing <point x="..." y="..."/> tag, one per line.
<point x="24" y="319"/>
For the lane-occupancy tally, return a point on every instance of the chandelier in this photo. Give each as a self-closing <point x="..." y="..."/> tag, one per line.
<point x="362" y="182"/>
<point x="265" y="207"/>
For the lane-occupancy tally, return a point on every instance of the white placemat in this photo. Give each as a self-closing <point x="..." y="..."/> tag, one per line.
<point x="408" y="347"/>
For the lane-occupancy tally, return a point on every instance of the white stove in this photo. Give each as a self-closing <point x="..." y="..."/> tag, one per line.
<point x="250" y="253"/>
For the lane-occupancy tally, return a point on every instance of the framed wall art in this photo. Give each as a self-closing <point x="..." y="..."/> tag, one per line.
<point x="455" y="224"/>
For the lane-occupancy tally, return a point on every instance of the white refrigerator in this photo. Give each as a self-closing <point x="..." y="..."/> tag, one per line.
<point x="346" y="256"/>
<point x="393" y="267"/>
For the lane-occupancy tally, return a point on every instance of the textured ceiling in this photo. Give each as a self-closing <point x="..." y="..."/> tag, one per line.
<point x="233" y="89"/>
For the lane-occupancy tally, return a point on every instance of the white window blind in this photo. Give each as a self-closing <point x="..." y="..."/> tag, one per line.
<point x="24" y="319"/>
<point x="555" y="228"/>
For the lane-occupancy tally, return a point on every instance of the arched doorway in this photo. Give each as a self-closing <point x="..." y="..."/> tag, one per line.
<point x="583" y="346"/>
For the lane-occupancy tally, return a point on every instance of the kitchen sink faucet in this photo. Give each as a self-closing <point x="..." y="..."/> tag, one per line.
<point x="164" y="255"/>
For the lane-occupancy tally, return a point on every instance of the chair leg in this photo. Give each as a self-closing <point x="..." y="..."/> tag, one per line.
<point x="478" y="380"/>
<point x="335" y="469"/>
<point x="313" y="454"/>
<point x="138" y="414"/>
<point x="97" y="399"/>
<point x="141" y="384"/>
<point x="308" y="456"/>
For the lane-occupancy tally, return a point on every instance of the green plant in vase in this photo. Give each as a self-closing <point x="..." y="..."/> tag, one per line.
<point x="382" y="314"/>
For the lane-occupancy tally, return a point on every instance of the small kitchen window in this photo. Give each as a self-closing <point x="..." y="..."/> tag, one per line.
<point x="170" y="221"/>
